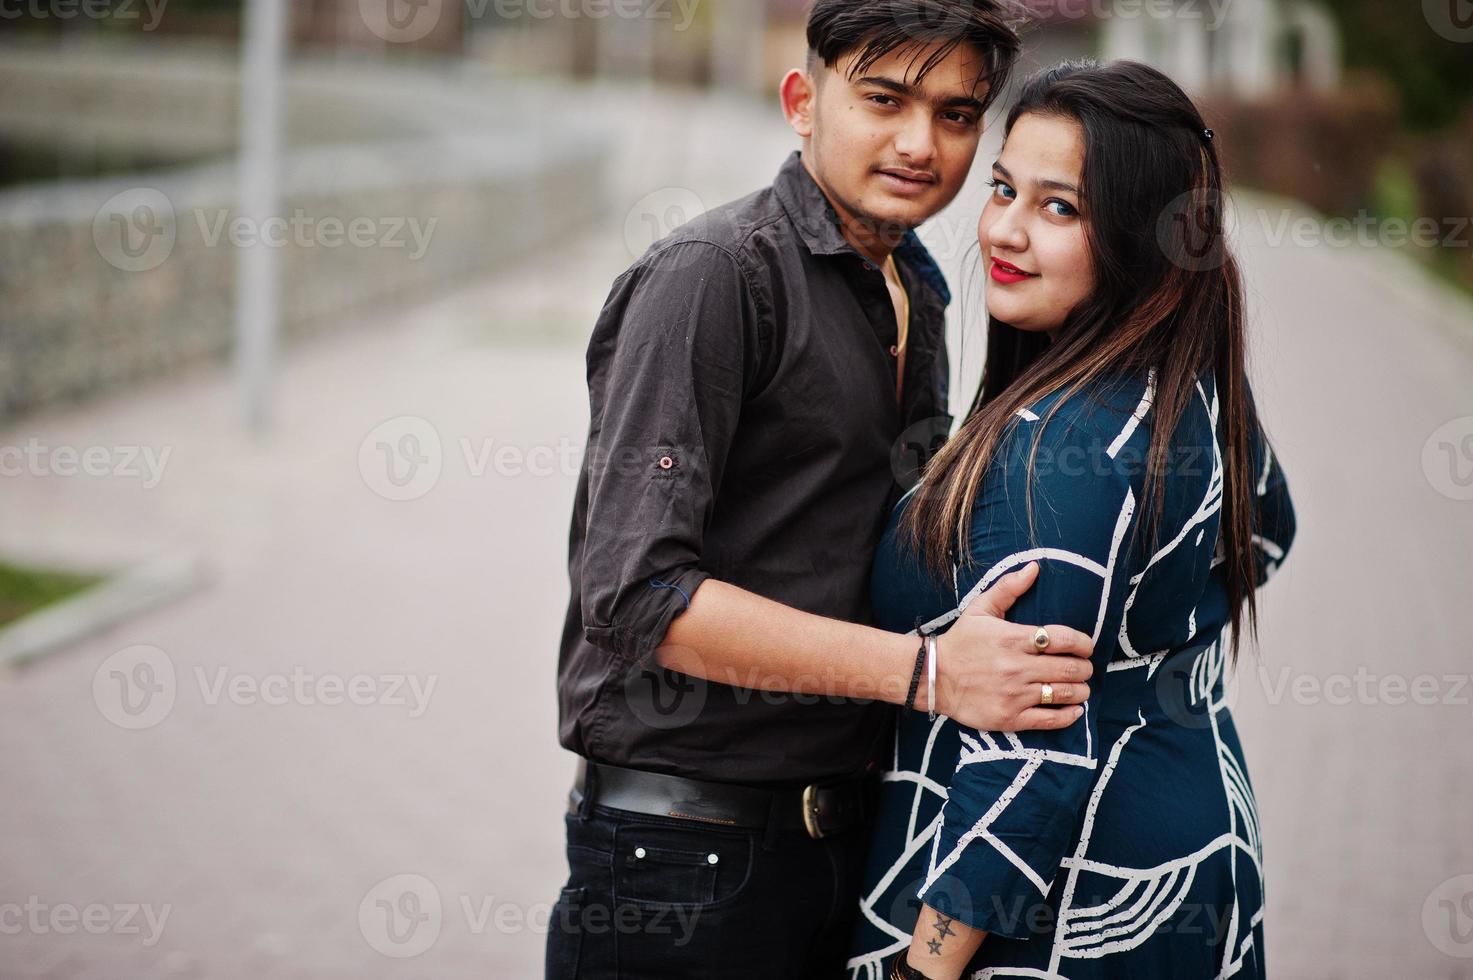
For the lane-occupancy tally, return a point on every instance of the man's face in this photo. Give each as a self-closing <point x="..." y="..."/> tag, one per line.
<point x="888" y="150"/>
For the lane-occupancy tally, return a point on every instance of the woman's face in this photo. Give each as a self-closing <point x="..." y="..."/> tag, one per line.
<point x="1032" y="229"/>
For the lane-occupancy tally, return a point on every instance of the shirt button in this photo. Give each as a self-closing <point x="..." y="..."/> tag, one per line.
<point x="666" y="462"/>
<point x="894" y="351"/>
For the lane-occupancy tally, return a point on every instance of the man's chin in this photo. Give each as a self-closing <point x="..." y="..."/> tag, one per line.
<point x="895" y="217"/>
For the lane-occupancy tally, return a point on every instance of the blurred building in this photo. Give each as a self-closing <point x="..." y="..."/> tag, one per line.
<point x="1245" y="49"/>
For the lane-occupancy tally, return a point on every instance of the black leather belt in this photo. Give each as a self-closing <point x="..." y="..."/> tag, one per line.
<point x="820" y="809"/>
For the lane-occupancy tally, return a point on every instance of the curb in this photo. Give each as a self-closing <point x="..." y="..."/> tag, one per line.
<point x="119" y="598"/>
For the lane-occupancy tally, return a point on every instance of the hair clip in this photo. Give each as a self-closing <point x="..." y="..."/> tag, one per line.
<point x="1207" y="134"/>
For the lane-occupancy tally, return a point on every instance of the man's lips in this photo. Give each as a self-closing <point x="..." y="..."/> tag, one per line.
<point x="907" y="183"/>
<point x="915" y="175"/>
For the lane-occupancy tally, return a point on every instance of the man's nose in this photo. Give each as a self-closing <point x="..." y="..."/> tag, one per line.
<point x="916" y="140"/>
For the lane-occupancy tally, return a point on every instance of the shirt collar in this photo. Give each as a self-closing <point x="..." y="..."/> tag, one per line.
<point x="818" y="224"/>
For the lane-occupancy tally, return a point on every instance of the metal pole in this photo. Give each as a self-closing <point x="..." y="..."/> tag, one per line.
<point x="257" y="278"/>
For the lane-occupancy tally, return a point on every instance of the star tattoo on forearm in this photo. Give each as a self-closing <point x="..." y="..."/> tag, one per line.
<point x="943" y="929"/>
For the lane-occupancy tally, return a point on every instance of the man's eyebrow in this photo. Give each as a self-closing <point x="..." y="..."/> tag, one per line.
<point x="1056" y="185"/>
<point x="900" y="88"/>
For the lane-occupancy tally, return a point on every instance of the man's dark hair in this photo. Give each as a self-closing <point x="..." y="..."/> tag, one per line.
<point x="875" y="28"/>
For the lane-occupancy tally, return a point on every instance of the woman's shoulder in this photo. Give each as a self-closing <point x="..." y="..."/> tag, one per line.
<point x="1102" y="433"/>
<point x="1105" y="414"/>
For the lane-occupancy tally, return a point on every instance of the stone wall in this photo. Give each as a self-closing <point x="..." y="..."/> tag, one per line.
<point x="416" y="185"/>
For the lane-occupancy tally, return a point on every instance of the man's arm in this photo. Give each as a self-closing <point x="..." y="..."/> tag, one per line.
<point x="668" y="367"/>
<point x="988" y="672"/>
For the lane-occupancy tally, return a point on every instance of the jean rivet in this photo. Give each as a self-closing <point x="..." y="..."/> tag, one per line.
<point x="712" y="859"/>
<point x="639" y="852"/>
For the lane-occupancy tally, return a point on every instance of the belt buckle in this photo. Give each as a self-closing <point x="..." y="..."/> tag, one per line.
<point x="810" y="811"/>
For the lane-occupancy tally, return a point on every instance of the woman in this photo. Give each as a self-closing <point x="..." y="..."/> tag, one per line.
<point x="1114" y="441"/>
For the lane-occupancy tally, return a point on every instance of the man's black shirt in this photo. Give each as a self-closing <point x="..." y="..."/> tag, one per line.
<point x="743" y="427"/>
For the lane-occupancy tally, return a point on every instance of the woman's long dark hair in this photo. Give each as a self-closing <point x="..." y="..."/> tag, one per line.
<point x="1168" y="296"/>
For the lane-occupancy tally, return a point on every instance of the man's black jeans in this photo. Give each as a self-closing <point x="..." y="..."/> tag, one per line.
<point x="651" y="898"/>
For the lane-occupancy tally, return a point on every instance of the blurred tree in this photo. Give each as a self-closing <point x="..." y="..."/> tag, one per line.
<point x="1433" y="76"/>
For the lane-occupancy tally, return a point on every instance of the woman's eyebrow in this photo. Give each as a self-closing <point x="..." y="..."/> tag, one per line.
<point x="1056" y="185"/>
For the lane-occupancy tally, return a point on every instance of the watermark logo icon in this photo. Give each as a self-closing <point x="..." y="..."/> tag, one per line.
<point x="1447" y="459"/>
<point x="401" y="458"/>
<point x="666" y="699"/>
<point x="910" y="453"/>
<point x="401" y="915"/>
<point x="658" y="214"/>
<point x="1452" y="19"/>
<point x="1194" y="228"/>
<point x="400" y="21"/>
<point x="135" y="230"/>
<point x="1447" y="917"/>
<point x="135" y="687"/>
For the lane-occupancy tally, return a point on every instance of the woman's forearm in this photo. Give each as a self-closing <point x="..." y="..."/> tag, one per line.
<point x="941" y="946"/>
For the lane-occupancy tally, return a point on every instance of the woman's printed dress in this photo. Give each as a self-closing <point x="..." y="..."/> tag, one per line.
<point x="1125" y="846"/>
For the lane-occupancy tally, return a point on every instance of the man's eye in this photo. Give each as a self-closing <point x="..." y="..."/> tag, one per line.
<point x="889" y="100"/>
<point x="960" y="117"/>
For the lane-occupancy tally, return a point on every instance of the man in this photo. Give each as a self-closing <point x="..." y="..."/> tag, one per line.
<point x="748" y="378"/>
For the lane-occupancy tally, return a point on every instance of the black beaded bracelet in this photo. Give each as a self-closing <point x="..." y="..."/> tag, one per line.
<point x="900" y="969"/>
<point x="915" y="677"/>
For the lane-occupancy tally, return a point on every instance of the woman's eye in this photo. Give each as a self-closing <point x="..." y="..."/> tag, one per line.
<point x="1065" y="209"/>
<point x="1003" y="190"/>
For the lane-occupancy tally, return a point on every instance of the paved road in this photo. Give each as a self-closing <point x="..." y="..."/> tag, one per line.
<point x="261" y="827"/>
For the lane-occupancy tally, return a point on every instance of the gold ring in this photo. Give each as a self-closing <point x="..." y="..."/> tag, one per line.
<point x="1048" y="694"/>
<point x="1041" y="640"/>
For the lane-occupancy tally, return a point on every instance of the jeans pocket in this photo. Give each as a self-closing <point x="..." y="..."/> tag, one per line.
<point x="565" y="936"/>
<point x="665" y="864"/>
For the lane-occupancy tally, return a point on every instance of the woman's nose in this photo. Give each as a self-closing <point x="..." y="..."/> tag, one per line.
<point x="1006" y="232"/>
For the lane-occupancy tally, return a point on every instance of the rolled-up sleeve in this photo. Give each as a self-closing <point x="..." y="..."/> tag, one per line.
<point x="667" y="367"/>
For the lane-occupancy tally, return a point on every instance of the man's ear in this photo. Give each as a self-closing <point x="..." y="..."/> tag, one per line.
<point x="798" y="90"/>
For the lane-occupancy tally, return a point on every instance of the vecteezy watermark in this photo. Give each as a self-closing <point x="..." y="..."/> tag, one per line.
<point x="330" y="231"/>
<point x="1365" y="688"/>
<point x="138" y="686"/>
<point x="1193" y="228"/>
<point x="657" y="214"/>
<point x="135" y="688"/>
<point x="403" y="915"/>
<point x="40" y="918"/>
<point x="1447" y="917"/>
<point x="35" y="458"/>
<point x="86" y="9"/>
<point x="1452" y="19"/>
<point x="1362" y="230"/>
<point x="910" y="453"/>
<point x="403" y="458"/>
<point x="1447" y="459"/>
<point x="1213" y="13"/>
<point x="137" y="230"/>
<point x="407" y="21"/>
